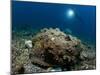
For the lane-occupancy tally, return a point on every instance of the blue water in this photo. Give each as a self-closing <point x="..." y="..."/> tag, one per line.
<point x="35" y="16"/>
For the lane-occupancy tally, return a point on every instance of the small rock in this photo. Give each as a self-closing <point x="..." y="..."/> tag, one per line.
<point x="28" y="44"/>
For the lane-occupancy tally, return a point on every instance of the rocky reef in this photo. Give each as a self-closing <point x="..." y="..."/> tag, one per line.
<point x="51" y="50"/>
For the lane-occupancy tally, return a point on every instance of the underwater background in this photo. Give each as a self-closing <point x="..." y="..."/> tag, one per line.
<point x="33" y="16"/>
<point x="46" y="32"/>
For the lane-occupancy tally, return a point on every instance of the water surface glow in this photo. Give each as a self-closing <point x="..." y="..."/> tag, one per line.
<point x="70" y="13"/>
